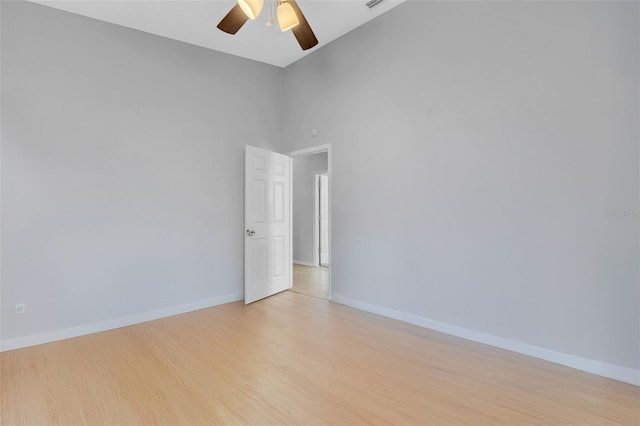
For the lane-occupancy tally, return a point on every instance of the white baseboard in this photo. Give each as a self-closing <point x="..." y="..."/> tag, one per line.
<point x="303" y="262"/>
<point x="612" y="371"/>
<point x="67" y="333"/>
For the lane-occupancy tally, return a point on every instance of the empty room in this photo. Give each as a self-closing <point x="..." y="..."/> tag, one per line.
<point x="347" y="212"/>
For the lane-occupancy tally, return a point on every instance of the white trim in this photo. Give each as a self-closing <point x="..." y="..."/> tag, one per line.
<point x="96" y="327"/>
<point x="612" y="371"/>
<point x="330" y="202"/>
<point x="315" y="221"/>
<point x="291" y="223"/>
<point x="1" y="210"/>
<point x="316" y="214"/>
<point x="303" y="262"/>
<point x="317" y="258"/>
<point x="313" y="150"/>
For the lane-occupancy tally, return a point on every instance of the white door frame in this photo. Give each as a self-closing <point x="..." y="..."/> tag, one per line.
<point x="316" y="215"/>
<point x="310" y="151"/>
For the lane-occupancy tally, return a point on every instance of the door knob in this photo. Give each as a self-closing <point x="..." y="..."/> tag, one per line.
<point x="250" y="232"/>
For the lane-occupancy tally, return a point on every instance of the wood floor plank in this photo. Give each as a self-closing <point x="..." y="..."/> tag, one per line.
<point x="311" y="281"/>
<point x="291" y="359"/>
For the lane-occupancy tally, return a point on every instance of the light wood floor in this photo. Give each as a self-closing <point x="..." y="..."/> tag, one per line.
<point x="311" y="281"/>
<point x="291" y="359"/>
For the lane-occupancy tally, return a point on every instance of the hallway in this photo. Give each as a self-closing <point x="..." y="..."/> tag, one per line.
<point x="311" y="281"/>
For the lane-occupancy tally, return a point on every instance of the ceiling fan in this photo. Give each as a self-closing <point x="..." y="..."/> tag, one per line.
<point x="289" y="15"/>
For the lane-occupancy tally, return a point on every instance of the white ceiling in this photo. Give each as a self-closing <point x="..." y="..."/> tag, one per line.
<point x="194" y="22"/>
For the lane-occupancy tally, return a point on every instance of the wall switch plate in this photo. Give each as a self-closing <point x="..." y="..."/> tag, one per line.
<point x="20" y="308"/>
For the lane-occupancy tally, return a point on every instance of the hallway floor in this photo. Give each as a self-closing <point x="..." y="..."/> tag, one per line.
<point x="311" y="281"/>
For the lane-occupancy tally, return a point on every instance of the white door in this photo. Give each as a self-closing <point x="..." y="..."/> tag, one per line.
<point x="324" y="220"/>
<point x="267" y="239"/>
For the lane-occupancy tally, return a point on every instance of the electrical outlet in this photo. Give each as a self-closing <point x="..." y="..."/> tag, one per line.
<point x="20" y="308"/>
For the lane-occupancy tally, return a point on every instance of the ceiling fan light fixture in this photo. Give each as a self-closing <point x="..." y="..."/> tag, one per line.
<point x="251" y="8"/>
<point x="287" y="17"/>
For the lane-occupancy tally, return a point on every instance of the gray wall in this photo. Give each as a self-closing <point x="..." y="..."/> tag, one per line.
<point x="122" y="168"/>
<point x="304" y="170"/>
<point x="476" y="149"/>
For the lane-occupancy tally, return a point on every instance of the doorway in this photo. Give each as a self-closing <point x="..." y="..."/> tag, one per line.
<point x="311" y="222"/>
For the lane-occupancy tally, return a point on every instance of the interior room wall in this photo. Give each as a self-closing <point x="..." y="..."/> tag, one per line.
<point x="485" y="168"/>
<point x="122" y="169"/>
<point x="304" y="170"/>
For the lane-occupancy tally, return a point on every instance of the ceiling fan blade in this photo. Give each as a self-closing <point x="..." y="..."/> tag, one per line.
<point x="303" y="32"/>
<point x="233" y="21"/>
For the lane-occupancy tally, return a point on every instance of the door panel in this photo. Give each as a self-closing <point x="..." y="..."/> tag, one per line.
<point x="267" y="224"/>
